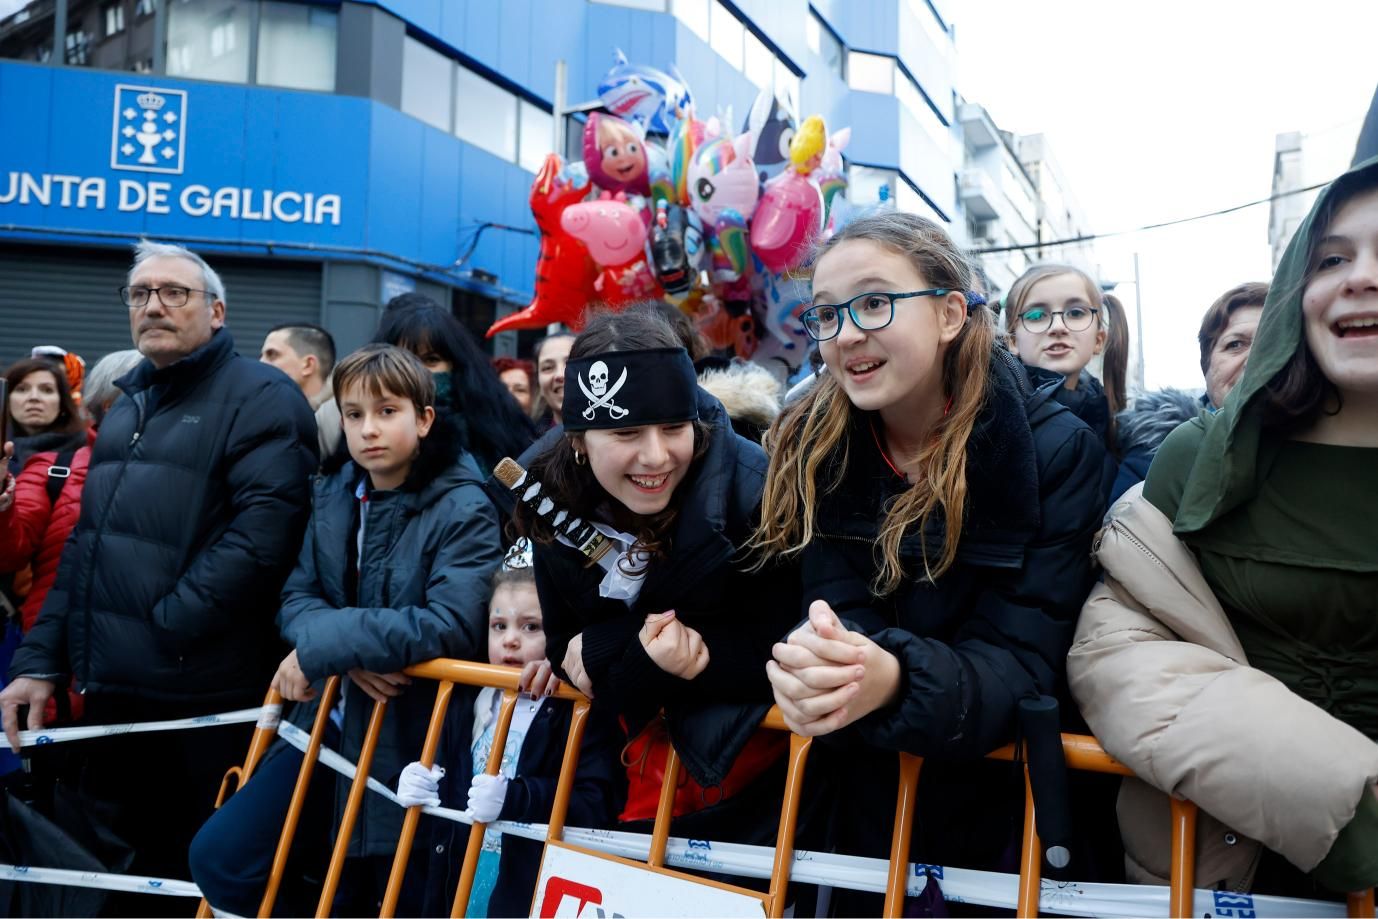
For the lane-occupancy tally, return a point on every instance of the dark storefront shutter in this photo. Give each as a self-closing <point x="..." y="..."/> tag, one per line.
<point x="68" y="297"/>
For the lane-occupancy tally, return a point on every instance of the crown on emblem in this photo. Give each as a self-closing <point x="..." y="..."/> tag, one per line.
<point x="151" y="101"/>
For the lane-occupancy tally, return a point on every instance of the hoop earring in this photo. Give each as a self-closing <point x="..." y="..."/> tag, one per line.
<point x="580" y="459"/>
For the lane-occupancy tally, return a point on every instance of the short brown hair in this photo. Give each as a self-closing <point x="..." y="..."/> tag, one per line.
<point x="385" y="368"/>
<point x="1250" y="293"/>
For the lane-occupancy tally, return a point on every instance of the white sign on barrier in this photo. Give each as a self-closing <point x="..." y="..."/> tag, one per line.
<point x="576" y="883"/>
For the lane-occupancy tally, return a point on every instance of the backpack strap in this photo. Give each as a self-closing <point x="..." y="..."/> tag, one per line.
<point x="58" y="474"/>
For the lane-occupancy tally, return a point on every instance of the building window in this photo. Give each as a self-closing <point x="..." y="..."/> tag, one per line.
<point x="114" y="19"/>
<point x="145" y="7"/>
<point x="427" y="81"/>
<point x="296" y="46"/>
<point x="726" y="32"/>
<point x="759" y="62"/>
<point x="78" y="47"/>
<point x="871" y="73"/>
<point x="654" y="6"/>
<point x="694" y="14"/>
<point x="536" y="136"/>
<point x="205" y="41"/>
<point x="908" y="200"/>
<point x="787" y="85"/>
<point x="485" y="115"/>
<point x="825" y="44"/>
<point x="868" y="186"/>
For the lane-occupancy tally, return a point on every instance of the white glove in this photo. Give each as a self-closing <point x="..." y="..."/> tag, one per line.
<point x="419" y="785"/>
<point x="486" y="795"/>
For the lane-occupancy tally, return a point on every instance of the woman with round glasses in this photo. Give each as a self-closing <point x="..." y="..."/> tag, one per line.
<point x="1057" y="321"/>
<point x="942" y="512"/>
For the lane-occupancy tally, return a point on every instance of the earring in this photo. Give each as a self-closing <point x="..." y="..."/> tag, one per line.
<point x="579" y="458"/>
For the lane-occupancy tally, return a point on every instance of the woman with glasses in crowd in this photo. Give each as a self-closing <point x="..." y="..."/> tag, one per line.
<point x="1057" y="321"/>
<point x="941" y="510"/>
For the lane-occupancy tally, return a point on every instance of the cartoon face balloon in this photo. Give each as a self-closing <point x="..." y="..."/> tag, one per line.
<point x="615" y="155"/>
<point x="611" y="229"/>
<point x="773" y="125"/>
<point x="788" y="218"/>
<point x="644" y="95"/>
<point x="722" y="177"/>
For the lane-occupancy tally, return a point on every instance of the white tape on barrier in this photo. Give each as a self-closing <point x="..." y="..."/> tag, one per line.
<point x="960" y="885"/>
<point x="43" y="736"/>
<point x="99" y="880"/>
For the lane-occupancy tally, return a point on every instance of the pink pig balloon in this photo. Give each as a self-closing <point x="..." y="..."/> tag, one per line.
<point x="788" y="218"/>
<point x="610" y="228"/>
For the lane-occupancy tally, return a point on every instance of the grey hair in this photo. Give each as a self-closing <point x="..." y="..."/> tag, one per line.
<point x="99" y="386"/>
<point x="146" y="249"/>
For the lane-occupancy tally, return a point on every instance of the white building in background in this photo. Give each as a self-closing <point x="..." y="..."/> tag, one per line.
<point x="1013" y="193"/>
<point x="1300" y="161"/>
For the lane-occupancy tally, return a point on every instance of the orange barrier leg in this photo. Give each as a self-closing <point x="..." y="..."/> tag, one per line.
<point x="413" y="817"/>
<point x="665" y="810"/>
<point x="1182" y="889"/>
<point x="1030" y="859"/>
<point x="466" y="874"/>
<point x="906" y="798"/>
<point x="289" y="825"/>
<point x="789" y="821"/>
<point x="258" y="745"/>
<point x="351" y="811"/>
<point x="559" y="809"/>
<point x="1361" y="905"/>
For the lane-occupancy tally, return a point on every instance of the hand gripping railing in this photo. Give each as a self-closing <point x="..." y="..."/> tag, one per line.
<point x="1081" y="752"/>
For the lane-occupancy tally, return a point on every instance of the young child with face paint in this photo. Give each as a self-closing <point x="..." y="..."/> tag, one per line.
<point x="672" y="620"/>
<point x="524" y="788"/>
<point x="942" y="511"/>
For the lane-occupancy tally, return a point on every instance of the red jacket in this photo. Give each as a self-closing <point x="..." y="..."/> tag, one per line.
<point x="33" y="530"/>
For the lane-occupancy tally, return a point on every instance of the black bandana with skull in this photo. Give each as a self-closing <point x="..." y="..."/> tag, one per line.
<point x="627" y="389"/>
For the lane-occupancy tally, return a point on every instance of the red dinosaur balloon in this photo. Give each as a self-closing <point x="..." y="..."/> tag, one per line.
<point x="564" y="271"/>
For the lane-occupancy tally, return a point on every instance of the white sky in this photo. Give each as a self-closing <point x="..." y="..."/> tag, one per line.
<point x="1167" y="109"/>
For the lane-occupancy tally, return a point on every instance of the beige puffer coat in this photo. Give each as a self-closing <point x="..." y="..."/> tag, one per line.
<point x="1161" y="679"/>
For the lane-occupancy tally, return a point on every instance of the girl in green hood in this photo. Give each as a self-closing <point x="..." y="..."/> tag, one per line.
<point x="1277" y="494"/>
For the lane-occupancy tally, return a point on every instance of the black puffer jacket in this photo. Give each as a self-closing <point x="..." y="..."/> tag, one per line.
<point x="1089" y="403"/>
<point x="430" y="550"/>
<point x="739" y="614"/>
<point x="994" y="628"/>
<point x="192" y="512"/>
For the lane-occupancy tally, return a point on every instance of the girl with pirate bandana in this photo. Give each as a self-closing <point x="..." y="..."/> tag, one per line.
<point x="670" y="630"/>
<point x="942" y="511"/>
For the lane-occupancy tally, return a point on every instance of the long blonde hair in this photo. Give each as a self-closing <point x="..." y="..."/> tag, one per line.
<point x="808" y="442"/>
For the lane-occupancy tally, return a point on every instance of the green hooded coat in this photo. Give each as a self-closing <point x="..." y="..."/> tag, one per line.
<point x="1283" y="531"/>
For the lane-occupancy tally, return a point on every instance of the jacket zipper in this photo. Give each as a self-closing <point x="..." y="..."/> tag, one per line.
<point x="1125" y="532"/>
<point x="139" y="400"/>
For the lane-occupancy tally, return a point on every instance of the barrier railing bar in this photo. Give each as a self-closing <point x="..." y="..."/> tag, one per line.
<point x="1030" y="858"/>
<point x="665" y="809"/>
<point x="1082" y="751"/>
<point x="569" y="767"/>
<point x="263" y="737"/>
<point x="1361" y="904"/>
<point x="351" y="811"/>
<point x="789" y="822"/>
<point x="294" y="809"/>
<point x="1182" y="882"/>
<point x="471" y="853"/>
<point x="413" y="816"/>
<point x="906" y="800"/>
<point x="469" y="673"/>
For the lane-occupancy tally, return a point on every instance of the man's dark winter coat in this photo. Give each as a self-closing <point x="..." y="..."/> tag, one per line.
<point x="192" y="512"/>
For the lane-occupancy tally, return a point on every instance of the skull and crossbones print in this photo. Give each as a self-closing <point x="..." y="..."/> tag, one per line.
<point x="600" y="394"/>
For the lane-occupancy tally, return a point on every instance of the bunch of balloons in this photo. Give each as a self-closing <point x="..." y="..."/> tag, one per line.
<point x="665" y="205"/>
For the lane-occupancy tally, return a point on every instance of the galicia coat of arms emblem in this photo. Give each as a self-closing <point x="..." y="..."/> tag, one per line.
<point x="149" y="133"/>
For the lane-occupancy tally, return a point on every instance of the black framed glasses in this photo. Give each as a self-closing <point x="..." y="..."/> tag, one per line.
<point x="870" y="312"/>
<point x="169" y="295"/>
<point x="1075" y="318"/>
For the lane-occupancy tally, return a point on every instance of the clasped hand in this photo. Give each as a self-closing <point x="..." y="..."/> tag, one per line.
<point x="673" y="646"/>
<point x="826" y="676"/>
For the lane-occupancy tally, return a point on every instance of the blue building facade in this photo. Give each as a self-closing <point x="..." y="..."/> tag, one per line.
<point x="331" y="155"/>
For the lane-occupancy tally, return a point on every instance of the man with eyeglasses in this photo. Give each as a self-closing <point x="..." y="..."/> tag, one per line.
<point x="192" y="516"/>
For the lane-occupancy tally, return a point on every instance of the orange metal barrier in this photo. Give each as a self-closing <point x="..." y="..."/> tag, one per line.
<point x="1082" y="752"/>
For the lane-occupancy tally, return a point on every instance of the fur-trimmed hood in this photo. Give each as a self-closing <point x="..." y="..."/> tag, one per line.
<point x="750" y="393"/>
<point x="1152" y="416"/>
